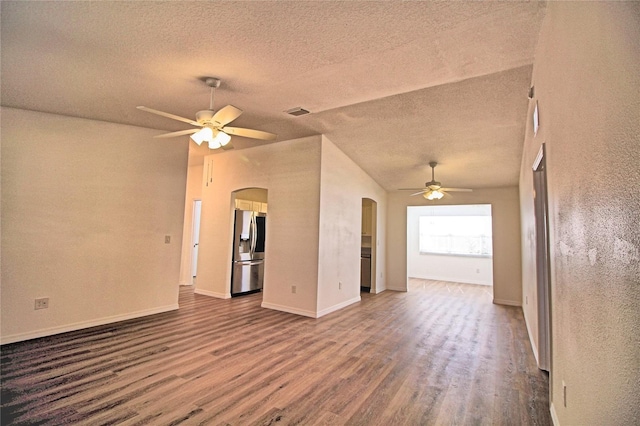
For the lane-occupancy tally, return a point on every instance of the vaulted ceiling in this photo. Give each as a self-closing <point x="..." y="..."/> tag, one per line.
<point x="393" y="84"/>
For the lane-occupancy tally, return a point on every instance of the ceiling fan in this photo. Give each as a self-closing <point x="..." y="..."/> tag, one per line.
<point x="212" y="125"/>
<point x="433" y="189"/>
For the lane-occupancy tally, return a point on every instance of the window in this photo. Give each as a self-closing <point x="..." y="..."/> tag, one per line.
<point x="456" y="235"/>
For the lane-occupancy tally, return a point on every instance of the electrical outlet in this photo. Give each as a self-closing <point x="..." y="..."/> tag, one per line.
<point x="167" y="239"/>
<point x="293" y="289"/>
<point x="42" y="303"/>
<point x="564" y="393"/>
<point x="339" y="285"/>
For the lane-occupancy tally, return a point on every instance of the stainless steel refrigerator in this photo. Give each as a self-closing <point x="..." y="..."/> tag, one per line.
<point x="248" y="252"/>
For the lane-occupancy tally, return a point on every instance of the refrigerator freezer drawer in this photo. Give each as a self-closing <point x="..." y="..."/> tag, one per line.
<point x="247" y="277"/>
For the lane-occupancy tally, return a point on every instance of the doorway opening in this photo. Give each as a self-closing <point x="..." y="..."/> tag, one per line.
<point x="540" y="208"/>
<point x="452" y="243"/>
<point x="368" y="246"/>
<point x="249" y="238"/>
<point x="195" y="239"/>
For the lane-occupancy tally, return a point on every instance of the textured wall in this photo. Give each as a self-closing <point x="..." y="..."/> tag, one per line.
<point x="290" y="171"/>
<point x="340" y="228"/>
<point x="85" y="208"/>
<point x="587" y="85"/>
<point x="313" y="223"/>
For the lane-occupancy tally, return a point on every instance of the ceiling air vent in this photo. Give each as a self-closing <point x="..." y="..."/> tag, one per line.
<point x="297" y="111"/>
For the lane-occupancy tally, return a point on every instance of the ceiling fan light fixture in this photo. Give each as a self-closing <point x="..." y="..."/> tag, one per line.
<point x="433" y="195"/>
<point x="214" y="138"/>
<point x="219" y="140"/>
<point x="204" y="134"/>
<point x="213" y="124"/>
<point x="223" y="138"/>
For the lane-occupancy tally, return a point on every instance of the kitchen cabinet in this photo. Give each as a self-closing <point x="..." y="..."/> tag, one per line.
<point x="244" y="205"/>
<point x="367" y="220"/>
<point x="259" y="207"/>
<point x="255" y="206"/>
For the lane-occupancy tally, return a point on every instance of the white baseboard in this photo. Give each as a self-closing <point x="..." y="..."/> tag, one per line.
<point x="554" y="415"/>
<point x="338" y="306"/>
<point x="212" y="293"/>
<point x="506" y="302"/>
<point x="84" y="324"/>
<point x="289" y="309"/>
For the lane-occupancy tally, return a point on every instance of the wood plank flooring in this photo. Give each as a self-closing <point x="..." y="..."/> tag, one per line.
<point x="440" y="354"/>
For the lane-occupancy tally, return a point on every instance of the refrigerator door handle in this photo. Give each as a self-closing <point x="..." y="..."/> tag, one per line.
<point x="258" y="262"/>
<point x="253" y="234"/>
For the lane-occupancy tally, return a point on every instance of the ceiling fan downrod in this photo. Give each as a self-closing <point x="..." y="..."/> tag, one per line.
<point x="433" y="165"/>
<point x="214" y="83"/>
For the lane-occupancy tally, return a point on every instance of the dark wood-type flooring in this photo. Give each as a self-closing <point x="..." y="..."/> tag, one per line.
<point x="440" y="354"/>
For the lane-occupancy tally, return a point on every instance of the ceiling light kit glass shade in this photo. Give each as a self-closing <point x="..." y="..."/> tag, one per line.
<point x="214" y="138"/>
<point x="433" y="195"/>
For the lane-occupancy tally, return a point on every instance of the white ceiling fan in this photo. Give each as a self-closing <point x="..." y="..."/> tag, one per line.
<point x="433" y="189"/>
<point x="212" y="125"/>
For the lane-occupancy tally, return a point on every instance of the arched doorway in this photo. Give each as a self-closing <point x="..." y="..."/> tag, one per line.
<point x="369" y="246"/>
<point x="249" y="240"/>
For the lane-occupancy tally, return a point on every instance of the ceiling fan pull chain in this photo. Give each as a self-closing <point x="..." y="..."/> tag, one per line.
<point x="211" y="101"/>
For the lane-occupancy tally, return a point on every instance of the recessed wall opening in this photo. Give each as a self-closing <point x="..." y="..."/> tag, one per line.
<point x="450" y="243"/>
<point x="368" y="246"/>
<point x="543" y="280"/>
<point x="249" y="241"/>
<point x="195" y="238"/>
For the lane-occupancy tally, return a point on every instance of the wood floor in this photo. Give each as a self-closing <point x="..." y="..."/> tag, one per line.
<point x="440" y="354"/>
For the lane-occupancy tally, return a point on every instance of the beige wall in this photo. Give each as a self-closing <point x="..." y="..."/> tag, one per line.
<point x="343" y="185"/>
<point x="85" y="209"/>
<point x="587" y="84"/>
<point x="507" y="287"/>
<point x="313" y="223"/>
<point x="194" y="192"/>
<point x="290" y="171"/>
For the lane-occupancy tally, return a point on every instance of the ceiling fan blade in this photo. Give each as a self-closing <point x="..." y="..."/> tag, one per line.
<point x="424" y="191"/>
<point x="226" y="115"/>
<point x="456" y="189"/>
<point x="249" y="133"/>
<point x="412" y="189"/>
<point x="178" y="133"/>
<point x="166" y="114"/>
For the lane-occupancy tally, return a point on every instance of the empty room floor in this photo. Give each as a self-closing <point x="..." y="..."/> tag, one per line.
<point x="441" y="353"/>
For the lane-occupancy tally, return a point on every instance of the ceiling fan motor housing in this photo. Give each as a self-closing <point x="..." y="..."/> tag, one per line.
<point x="203" y="117"/>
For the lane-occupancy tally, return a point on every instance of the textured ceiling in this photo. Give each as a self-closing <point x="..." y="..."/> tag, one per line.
<point x="392" y="84"/>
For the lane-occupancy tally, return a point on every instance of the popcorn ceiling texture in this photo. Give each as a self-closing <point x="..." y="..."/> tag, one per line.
<point x="587" y="83"/>
<point x="444" y="81"/>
